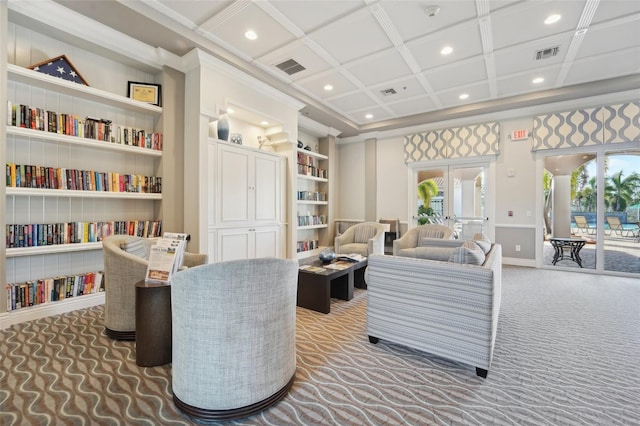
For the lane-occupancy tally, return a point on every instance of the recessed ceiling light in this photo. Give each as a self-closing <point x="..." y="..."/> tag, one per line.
<point x="368" y="116"/>
<point x="538" y="80"/>
<point x="328" y="87"/>
<point x="464" y="96"/>
<point x="446" y="50"/>
<point x="251" y="35"/>
<point x="264" y="123"/>
<point x="552" y="19"/>
<point x="230" y="110"/>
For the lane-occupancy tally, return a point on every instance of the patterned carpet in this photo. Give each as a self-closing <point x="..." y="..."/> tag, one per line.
<point x="567" y="353"/>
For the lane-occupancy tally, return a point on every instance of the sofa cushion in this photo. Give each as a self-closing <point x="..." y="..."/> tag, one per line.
<point x="136" y="248"/>
<point x="429" y="233"/>
<point x="362" y="234"/>
<point x="469" y="253"/>
<point x="434" y="253"/>
<point x="360" y="248"/>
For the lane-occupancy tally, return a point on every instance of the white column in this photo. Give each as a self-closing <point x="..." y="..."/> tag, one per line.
<point x="561" y="213"/>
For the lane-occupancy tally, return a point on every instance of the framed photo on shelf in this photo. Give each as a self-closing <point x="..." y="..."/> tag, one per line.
<point x="145" y="92"/>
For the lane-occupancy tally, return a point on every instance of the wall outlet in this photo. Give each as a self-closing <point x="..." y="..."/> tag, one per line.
<point x="517" y="247"/>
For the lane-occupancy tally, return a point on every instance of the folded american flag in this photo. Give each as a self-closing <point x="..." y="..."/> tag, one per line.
<point x="59" y="67"/>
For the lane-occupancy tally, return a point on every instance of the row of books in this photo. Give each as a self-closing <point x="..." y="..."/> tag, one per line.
<point x="305" y="170"/>
<point x="309" y="220"/>
<point x="72" y="125"/>
<point x="29" y="176"/>
<point x="47" y="290"/>
<point x="306" y="159"/>
<point x="307" y="245"/>
<point x="48" y="234"/>
<point x="312" y="196"/>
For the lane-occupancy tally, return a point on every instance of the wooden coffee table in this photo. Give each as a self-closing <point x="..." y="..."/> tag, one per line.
<point x="318" y="283"/>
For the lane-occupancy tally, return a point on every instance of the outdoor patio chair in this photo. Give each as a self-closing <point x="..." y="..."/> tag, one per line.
<point x="583" y="225"/>
<point x="616" y="226"/>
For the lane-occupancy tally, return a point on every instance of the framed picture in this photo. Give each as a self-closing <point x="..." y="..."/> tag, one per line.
<point x="145" y="92"/>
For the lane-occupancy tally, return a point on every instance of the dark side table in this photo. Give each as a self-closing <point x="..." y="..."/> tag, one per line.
<point x="571" y="245"/>
<point x="153" y="324"/>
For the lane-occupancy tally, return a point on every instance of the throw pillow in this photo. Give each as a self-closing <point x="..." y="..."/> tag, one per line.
<point x="483" y="242"/>
<point x="464" y="254"/>
<point x="137" y="248"/>
<point x="363" y="234"/>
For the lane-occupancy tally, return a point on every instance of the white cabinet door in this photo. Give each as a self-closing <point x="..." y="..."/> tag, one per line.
<point x="267" y="189"/>
<point x="235" y="243"/>
<point x="248" y="243"/>
<point x="267" y="241"/>
<point x="235" y="181"/>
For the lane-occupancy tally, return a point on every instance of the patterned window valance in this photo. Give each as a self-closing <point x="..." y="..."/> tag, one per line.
<point x="456" y="142"/>
<point x="587" y="127"/>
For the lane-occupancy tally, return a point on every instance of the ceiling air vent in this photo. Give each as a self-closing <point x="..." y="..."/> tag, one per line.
<point x="388" y="92"/>
<point x="547" y="53"/>
<point x="290" y="66"/>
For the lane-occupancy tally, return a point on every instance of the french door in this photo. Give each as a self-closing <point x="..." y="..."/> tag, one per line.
<point x="456" y="197"/>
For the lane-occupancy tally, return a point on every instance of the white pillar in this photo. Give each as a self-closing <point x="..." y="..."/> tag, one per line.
<point x="561" y="213"/>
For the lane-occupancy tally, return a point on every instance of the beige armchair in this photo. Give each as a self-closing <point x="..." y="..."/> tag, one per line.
<point x="125" y="263"/>
<point x="414" y="238"/>
<point x="365" y="238"/>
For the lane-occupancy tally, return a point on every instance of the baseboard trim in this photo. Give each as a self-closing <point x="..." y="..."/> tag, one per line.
<point x="7" y="319"/>
<point x="514" y="261"/>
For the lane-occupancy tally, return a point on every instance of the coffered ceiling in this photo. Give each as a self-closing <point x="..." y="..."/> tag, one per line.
<point x="384" y="59"/>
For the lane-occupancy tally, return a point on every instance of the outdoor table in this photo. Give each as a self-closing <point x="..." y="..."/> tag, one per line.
<point x="572" y="245"/>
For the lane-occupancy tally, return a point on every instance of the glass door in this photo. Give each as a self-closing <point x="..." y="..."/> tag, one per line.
<point x="593" y="196"/>
<point x="453" y="195"/>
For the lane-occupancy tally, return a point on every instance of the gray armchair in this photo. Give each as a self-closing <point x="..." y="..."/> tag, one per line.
<point x="365" y="238"/>
<point x="234" y="329"/>
<point x="125" y="263"/>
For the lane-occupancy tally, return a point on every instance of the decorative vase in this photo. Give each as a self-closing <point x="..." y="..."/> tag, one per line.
<point x="327" y="255"/>
<point x="223" y="127"/>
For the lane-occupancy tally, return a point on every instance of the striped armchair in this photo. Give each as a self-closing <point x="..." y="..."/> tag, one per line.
<point x="365" y="239"/>
<point x="443" y="308"/>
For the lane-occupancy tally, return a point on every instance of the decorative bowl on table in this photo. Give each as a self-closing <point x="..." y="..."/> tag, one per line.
<point x="327" y="256"/>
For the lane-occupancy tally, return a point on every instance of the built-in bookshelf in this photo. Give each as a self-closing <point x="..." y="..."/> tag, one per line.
<point x="312" y="201"/>
<point x="81" y="163"/>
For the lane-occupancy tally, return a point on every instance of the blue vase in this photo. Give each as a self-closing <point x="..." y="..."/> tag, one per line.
<point x="223" y="127"/>
<point x="327" y="255"/>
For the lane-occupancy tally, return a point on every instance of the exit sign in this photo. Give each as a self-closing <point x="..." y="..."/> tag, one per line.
<point x="518" y="135"/>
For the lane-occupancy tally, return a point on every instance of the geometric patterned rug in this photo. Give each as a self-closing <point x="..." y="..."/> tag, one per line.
<point x="567" y="353"/>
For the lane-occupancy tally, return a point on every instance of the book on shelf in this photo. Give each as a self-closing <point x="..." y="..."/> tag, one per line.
<point x="165" y="258"/>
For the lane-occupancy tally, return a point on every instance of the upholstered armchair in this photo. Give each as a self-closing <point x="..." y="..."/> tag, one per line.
<point x="365" y="238"/>
<point x="125" y="263"/>
<point x="234" y="328"/>
<point x="415" y="237"/>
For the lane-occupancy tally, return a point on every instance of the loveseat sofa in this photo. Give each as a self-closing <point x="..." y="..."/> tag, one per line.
<point x="445" y="308"/>
<point x="414" y="241"/>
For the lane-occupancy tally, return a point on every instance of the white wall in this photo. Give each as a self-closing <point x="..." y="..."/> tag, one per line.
<point x="392" y="176"/>
<point x="351" y="172"/>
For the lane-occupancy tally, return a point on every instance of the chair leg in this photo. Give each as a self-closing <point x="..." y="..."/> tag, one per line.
<point x="481" y="372"/>
<point x="373" y="340"/>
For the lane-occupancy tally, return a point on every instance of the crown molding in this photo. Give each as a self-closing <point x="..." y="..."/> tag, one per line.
<point x="84" y="32"/>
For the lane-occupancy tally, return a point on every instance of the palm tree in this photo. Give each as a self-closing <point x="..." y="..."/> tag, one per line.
<point x="427" y="189"/>
<point x="619" y="192"/>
